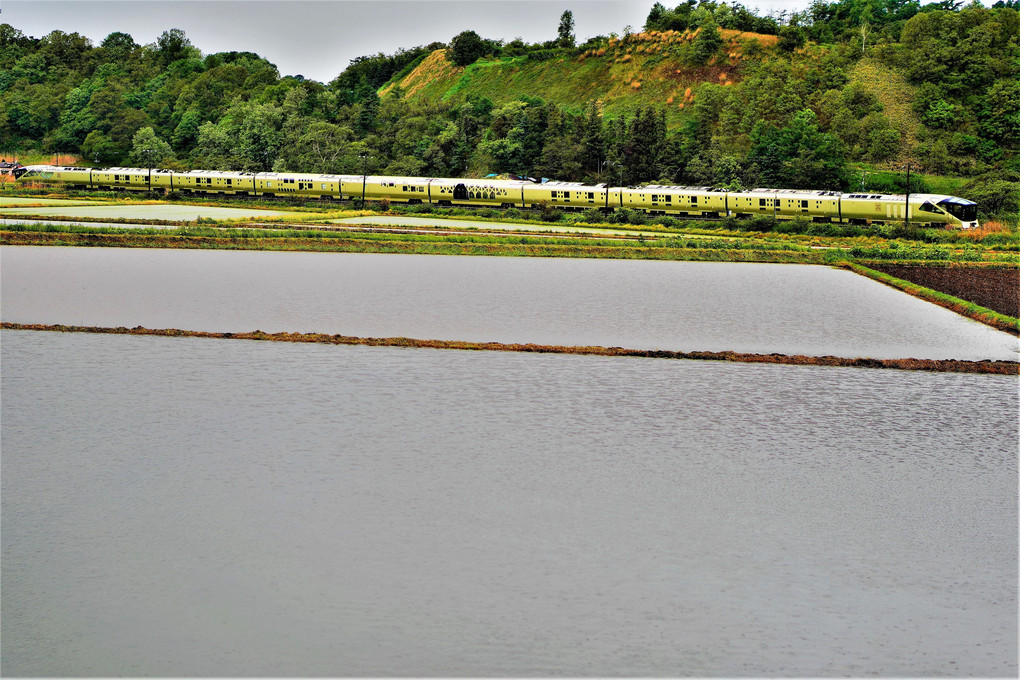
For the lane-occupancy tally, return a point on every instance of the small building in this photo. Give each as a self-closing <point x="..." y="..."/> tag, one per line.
<point x="7" y="169"/>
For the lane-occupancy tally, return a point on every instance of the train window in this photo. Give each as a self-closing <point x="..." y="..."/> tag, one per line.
<point x="960" y="208"/>
<point x="230" y="181"/>
<point x="566" y="194"/>
<point x="803" y="204"/>
<point x="929" y="208"/>
<point x="694" y="199"/>
<point x="669" y="199"/>
<point x="761" y="201"/>
<point x="553" y="194"/>
<point x="591" y="194"/>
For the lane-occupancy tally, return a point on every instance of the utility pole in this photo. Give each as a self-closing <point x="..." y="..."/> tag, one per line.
<point x="364" y="175"/>
<point x="907" y="218"/>
<point x="602" y="166"/>
<point x="148" y="164"/>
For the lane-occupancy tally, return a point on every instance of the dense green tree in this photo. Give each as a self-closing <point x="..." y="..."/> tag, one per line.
<point x="466" y="48"/>
<point x="791" y="38"/>
<point x="799" y="156"/>
<point x="118" y="47"/>
<point x="1001" y="112"/>
<point x="708" y="42"/>
<point x="149" y="151"/>
<point x="173" y="45"/>
<point x="565" y="32"/>
<point x="593" y="142"/>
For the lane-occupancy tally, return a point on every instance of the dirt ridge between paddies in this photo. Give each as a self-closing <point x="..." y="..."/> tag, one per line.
<point x="937" y="365"/>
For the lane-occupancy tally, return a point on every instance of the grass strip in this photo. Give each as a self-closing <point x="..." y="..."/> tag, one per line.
<point x="422" y="245"/>
<point x="939" y="365"/>
<point x="987" y="316"/>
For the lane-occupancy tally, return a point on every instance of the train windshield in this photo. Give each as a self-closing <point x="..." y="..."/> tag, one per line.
<point x="960" y="208"/>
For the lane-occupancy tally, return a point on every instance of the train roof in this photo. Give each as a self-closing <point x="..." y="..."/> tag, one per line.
<point x="673" y="187"/>
<point x="215" y="173"/>
<point x="571" y="185"/>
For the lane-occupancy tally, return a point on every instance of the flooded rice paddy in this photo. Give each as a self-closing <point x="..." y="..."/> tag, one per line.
<point x="17" y="201"/>
<point x="168" y="213"/>
<point x="679" y="306"/>
<point x="185" y="507"/>
<point x="191" y="507"/>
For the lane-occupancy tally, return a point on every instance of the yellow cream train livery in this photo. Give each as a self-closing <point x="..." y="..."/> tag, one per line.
<point x="931" y="210"/>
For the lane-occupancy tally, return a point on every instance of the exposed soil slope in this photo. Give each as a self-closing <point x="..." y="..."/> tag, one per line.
<point x="629" y="73"/>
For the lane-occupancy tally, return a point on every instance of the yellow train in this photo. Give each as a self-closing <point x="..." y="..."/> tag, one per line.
<point x="932" y="210"/>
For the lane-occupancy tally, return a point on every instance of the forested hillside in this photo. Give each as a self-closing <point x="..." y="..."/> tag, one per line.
<point x="706" y="93"/>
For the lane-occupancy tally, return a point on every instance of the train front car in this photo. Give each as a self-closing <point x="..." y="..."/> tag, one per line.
<point x="925" y="210"/>
<point x="52" y="174"/>
<point x="951" y="211"/>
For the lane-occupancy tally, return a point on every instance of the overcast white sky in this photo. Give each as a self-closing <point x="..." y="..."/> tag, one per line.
<point x="318" y="38"/>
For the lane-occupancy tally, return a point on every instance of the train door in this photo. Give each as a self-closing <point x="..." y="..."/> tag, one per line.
<point x="460" y="193"/>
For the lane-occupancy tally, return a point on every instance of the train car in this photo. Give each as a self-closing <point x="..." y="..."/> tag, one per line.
<point x="786" y="204"/>
<point x="212" y="182"/>
<point x="298" y="184"/>
<point x="71" y="176"/>
<point x="744" y="204"/>
<point x="122" y="179"/>
<point x="410" y="190"/>
<point x="377" y="188"/>
<point x="568" y="195"/>
<point x="675" y="200"/>
<point x="817" y="206"/>
<point x="490" y="193"/>
<point x="861" y="208"/>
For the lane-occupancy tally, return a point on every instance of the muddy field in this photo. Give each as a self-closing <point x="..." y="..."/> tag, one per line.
<point x="996" y="289"/>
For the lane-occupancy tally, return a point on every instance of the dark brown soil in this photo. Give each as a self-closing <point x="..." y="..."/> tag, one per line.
<point x="995" y="289"/>
<point x="951" y="365"/>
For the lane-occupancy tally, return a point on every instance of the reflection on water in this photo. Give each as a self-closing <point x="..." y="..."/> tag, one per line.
<point x="193" y="507"/>
<point x="684" y="306"/>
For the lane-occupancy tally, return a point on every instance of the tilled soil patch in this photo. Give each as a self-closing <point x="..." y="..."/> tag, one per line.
<point x="992" y="288"/>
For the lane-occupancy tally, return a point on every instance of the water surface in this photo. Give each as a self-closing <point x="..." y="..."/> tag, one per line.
<point x="680" y="306"/>
<point x="176" y="212"/>
<point x="176" y="506"/>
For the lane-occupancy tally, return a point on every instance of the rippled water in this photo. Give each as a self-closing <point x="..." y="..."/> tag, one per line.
<point x="683" y="306"/>
<point x="175" y="506"/>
